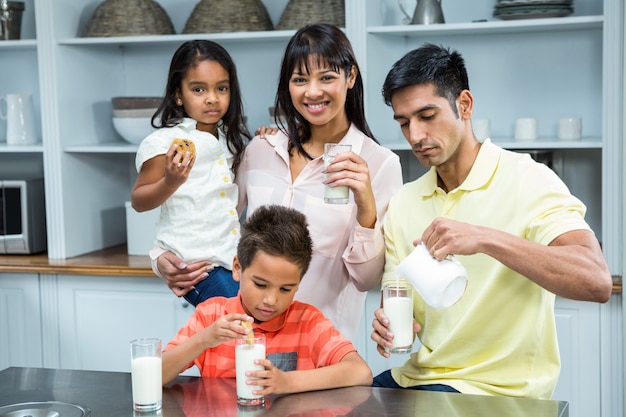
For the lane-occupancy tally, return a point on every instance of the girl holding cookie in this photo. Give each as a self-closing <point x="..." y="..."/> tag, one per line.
<point x="187" y="168"/>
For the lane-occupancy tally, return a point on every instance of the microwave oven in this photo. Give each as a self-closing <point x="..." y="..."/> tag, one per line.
<point x="22" y="216"/>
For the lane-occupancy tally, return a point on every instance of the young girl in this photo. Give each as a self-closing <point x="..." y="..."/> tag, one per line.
<point x="196" y="192"/>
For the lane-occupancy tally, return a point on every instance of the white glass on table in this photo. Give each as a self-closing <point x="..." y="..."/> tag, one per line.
<point x="146" y="374"/>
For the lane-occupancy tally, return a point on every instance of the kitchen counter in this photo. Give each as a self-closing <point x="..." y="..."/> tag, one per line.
<point x="112" y="261"/>
<point x="108" y="394"/>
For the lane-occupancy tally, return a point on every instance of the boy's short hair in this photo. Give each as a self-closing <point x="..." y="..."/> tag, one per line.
<point x="277" y="231"/>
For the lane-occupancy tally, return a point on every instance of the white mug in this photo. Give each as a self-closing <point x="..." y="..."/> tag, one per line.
<point x="526" y="128"/>
<point x="440" y="283"/>
<point x="20" y="117"/>
<point x="482" y="128"/>
<point x="570" y="128"/>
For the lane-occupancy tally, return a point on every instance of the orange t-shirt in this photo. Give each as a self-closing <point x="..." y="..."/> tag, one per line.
<point x="300" y="338"/>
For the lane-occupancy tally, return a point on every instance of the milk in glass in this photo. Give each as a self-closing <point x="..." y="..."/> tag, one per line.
<point x="246" y="352"/>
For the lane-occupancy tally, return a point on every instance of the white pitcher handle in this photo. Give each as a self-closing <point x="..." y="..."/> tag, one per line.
<point x="408" y="17"/>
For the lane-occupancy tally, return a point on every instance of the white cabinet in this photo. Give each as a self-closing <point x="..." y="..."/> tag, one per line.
<point x="579" y="336"/>
<point x="99" y="316"/>
<point x="20" y="320"/>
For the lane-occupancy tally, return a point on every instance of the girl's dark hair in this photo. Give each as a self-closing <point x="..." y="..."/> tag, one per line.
<point x="328" y="45"/>
<point x="187" y="56"/>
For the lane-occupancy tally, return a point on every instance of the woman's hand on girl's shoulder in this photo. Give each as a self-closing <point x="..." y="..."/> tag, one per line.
<point x="265" y="130"/>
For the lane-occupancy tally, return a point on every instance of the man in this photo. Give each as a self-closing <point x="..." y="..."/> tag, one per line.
<point x="509" y="220"/>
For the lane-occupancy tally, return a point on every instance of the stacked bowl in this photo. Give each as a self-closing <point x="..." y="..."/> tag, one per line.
<point x="132" y="116"/>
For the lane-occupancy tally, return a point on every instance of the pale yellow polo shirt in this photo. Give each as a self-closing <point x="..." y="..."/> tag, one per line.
<point x="500" y="338"/>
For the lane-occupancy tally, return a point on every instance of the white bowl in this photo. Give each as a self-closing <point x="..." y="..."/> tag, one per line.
<point x="134" y="112"/>
<point x="133" y="129"/>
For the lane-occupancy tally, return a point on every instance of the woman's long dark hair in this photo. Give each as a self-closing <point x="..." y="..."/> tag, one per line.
<point x="329" y="46"/>
<point x="187" y="56"/>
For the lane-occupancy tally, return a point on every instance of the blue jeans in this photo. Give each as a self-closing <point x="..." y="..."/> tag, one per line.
<point x="385" y="380"/>
<point x="219" y="283"/>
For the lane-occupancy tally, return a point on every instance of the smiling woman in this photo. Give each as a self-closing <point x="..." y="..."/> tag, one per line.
<point x="320" y="100"/>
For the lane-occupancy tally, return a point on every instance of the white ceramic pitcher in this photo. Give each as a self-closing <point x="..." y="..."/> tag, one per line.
<point x="20" y="117"/>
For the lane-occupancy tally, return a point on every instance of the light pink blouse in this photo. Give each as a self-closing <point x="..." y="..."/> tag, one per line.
<point x="347" y="259"/>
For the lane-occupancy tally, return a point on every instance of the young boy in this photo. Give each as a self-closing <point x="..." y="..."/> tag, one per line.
<point x="304" y="351"/>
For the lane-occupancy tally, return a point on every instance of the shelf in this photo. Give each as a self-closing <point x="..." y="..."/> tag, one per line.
<point x="541" y="143"/>
<point x="114" y="147"/>
<point x="234" y="37"/>
<point x="508" y="143"/>
<point x="4" y="148"/>
<point x="492" y="27"/>
<point x="19" y="44"/>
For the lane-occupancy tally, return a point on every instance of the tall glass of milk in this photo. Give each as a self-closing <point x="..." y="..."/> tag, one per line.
<point x="398" y="308"/>
<point x="145" y="356"/>
<point x="247" y="350"/>
<point x="340" y="194"/>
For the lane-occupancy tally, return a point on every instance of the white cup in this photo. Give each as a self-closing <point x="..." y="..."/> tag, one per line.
<point x="440" y="283"/>
<point x="246" y="352"/>
<point x="570" y="128"/>
<point x="526" y="128"/>
<point x="398" y="308"/>
<point x="20" y="117"/>
<point x="146" y="368"/>
<point x="340" y="194"/>
<point x="482" y="128"/>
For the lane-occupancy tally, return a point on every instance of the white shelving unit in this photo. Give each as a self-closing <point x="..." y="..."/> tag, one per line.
<point x="535" y="67"/>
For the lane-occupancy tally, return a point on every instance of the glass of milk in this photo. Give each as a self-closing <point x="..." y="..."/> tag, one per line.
<point x="398" y="308"/>
<point x="145" y="356"/>
<point x="247" y="350"/>
<point x="335" y="195"/>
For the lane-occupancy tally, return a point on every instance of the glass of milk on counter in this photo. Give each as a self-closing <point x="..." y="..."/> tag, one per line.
<point x="398" y="308"/>
<point x="248" y="348"/>
<point x="145" y="356"/>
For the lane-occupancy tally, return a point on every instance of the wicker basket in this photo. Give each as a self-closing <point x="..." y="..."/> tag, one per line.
<point x="211" y="16"/>
<point x="298" y="13"/>
<point x="129" y="18"/>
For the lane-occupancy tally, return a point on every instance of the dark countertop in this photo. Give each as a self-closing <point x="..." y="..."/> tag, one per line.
<point x="108" y="394"/>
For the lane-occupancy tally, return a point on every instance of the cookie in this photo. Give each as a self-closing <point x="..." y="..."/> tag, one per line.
<point x="185" y="145"/>
<point x="248" y="325"/>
